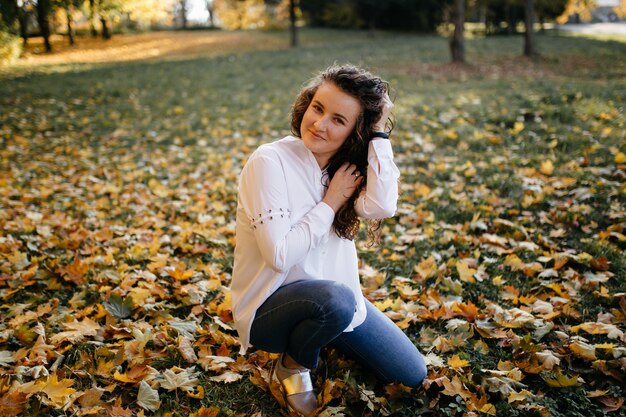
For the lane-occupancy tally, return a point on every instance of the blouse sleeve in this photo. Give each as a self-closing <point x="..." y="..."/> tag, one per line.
<point x="265" y="200"/>
<point x="379" y="198"/>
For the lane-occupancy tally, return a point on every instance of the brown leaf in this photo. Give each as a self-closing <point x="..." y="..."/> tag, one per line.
<point x="12" y="403"/>
<point x="77" y="331"/>
<point x="186" y="349"/>
<point x="610" y="404"/>
<point x="117" y="411"/>
<point x="75" y="272"/>
<point x="91" y="397"/>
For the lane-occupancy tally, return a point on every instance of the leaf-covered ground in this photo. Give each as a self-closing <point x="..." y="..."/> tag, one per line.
<point x="505" y="263"/>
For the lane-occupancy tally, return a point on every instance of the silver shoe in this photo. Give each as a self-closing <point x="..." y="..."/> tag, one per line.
<point x="297" y="388"/>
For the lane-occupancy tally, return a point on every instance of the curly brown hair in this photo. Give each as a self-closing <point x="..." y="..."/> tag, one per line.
<point x="369" y="90"/>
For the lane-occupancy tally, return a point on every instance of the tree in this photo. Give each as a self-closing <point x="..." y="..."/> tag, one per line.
<point x="419" y="16"/>
<point x="457" y="43"/>
<point x="371" y="11"/>
<point x="92" y="18"/>
<point x="209" y="8"/>
<point x="549" y="10"/>
<point x="513" y="12"/>
<point x="68" y="6"/>
<point x="183" y="6"/>
<point x="9" y="11"/>
<point x="530" y="49"/>
<point x="292" y="20"/>
<point x="44" y="9"/>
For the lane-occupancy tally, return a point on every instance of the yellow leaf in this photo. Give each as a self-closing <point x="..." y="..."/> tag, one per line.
<point x="470" y="171"/>
<point x="58" y="391"/>
<point x="489" y="409"/>
<point x="547" y="168"/>
<point x="427" y="268"/>
<point x="514" y="262"/>
<point x="139" y="295"/>
<point x="596" y="393"/>
<point x="497" y="280"/>
<point x="606" y="346"/>
<point x="517" y="127"/>
<point x="455" y="362"/>
<point x="620" y="158"/>
<point x="179" y="110"/>
<point x="583" y="350"/>
<point x="465" y="272"/>
<point x="451" y="134"/>
<point x="562" y="381"/>
<point x="199" y="395"/>
<point x="421" y="190"/>
<point x="383" y="305"/>
<point x="123" y="378"/>
<point x="519" y="396"/>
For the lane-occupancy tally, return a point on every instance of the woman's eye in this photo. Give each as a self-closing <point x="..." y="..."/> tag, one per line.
<point x="339" y="121"/>
<point x="317" y="108"/>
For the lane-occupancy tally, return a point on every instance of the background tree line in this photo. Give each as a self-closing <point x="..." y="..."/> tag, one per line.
<point x="26" y="18"/>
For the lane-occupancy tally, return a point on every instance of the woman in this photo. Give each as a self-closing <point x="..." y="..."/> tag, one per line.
<point x="295" y="285"/>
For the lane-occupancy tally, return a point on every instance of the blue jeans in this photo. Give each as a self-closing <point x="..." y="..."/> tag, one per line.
<point x="302" y="317"/>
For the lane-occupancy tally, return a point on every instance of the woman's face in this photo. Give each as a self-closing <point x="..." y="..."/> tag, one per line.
<point x="328" y="121"/>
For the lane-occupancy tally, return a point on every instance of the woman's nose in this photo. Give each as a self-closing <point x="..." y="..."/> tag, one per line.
<point x="320" y="124"/>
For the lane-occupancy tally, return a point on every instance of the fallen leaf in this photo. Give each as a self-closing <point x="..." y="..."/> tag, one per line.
<point x="147" y="397"/>
<point x="185" y="380"/>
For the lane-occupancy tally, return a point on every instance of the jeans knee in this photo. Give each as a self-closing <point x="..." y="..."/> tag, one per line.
<point x="339" y="303"/>
<point x="416" y="373"/>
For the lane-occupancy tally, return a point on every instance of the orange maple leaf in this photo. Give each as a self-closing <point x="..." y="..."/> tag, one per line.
<point x="180" y="272"/>
<point x="74" y="272"/>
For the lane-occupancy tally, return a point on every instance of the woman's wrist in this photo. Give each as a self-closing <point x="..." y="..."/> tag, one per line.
<point x="379" y="134"/>
<point x="332" y="203"/>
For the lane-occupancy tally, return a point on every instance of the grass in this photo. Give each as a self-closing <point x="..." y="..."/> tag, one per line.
<point x="124" y="144"/>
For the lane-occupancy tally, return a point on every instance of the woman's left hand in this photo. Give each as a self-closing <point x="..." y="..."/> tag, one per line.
<point x="379" y="126"/>
<point x="342" y="186"/>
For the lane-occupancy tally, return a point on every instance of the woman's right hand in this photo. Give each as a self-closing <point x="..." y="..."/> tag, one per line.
<point x="342" y="186"/>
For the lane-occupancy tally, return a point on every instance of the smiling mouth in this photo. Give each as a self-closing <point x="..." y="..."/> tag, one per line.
<point x="316" y="135"/>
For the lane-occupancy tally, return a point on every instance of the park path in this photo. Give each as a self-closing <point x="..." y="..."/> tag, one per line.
<point x="612" y="28"/>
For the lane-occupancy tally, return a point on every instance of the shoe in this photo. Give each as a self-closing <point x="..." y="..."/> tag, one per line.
<point x="297" y="388"/>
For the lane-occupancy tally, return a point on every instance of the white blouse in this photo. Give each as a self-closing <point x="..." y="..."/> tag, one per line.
<point x="284" y="230"/>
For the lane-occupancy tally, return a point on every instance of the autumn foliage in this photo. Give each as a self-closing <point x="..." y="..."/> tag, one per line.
<point x="504" y="264"/>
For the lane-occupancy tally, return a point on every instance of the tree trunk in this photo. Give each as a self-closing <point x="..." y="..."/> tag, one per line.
<point x="43" y="10"/>
<point x="529" y="37"/>
<point x="292" y="19"/>
<point x="209" y="9"/>
<point x="70" y="29"/>
<point x="23" y="19"/>
<point x="457" y="43"/>
<point x="105" y="29"/>
<point x="183" y="13"/>
<point x="92" y="18"/>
